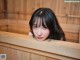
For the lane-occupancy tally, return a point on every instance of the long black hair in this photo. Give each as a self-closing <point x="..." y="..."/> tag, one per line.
<point x="48" y="17"/>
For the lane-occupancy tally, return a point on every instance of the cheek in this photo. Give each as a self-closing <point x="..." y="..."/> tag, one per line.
<point x="46" y="32"/>
<point x="34" y="31"/>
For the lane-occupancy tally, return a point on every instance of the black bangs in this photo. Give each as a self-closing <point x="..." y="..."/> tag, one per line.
<point x="39" y="21"/>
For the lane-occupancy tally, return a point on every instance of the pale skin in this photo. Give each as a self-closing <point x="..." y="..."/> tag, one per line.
<point x="40" y="32"/>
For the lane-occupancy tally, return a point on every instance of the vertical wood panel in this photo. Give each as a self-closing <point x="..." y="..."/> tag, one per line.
<point x="37" y="3"/>
<point x="60" y="8"/>
<point x="13" y="26"/>
<point x="25" y="56"/>
<point x="16" y="6"/>
<point x="37" y="57"/>
<point x="22" y="7"/>
<point x="70" y="20"/>
<point x="75" y="9"/>
<point x="25" y="10"/>
<point x="43" y="58"/>
<point x="47" y="3"/>
<point x="67" y="8"/>
<point x="1" y="6"/>
<point x="3" y="25"/>
<point x="10" y="5"/>
<point x="30" y="6"/>
<point x="34" y="57"/>
<point x="62" y="19"/>
<point x="79" y="34"/>
<point x="72" y="37"/>
<point x="10" y="8"/>
<point x="19" y="55"/>
<point x="77" y="21"/>
<point x="1" y="9"/>
<point x="23" y="27"/>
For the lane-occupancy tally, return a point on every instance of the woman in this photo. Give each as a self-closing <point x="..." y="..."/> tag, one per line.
<point x="44" y="25"/>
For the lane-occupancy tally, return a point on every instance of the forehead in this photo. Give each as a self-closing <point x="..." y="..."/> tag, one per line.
<point x="39" y="21"/>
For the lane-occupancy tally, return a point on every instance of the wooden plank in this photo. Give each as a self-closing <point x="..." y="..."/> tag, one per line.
<point x="16" y="7"/>
<point x="10" y="16"/>
<point x="25" y="10"/>
<point x="79" y="34"/>
<point x="26" y="55"/>
<point x="18" y="26"/>
<point x="17" y="50"/>
<point x="69" y="37"/>
<point x="52" y="59"/>
<point x="23" y="27"/>
<point x="34" y="57"/>
<point x="1" y="50"/>
<point x="53" y="6"/>
<point x="1" y="6"/>
<point x="1" y="9"/>
<point x="13" y="25"/>
<point x="70" y="20"/>
<point x="66" y="49"/>
<point x="62" y="19"/>
<point x="47" y="4"/>
<point x="2" y="16"/>
<point x="75" y="9"/>
<point x="61" y="8"/>
<point x="43" y="57"/>
<point x="73" y="20"/>
<point x="3" y="22"/>
<point x="10" y="8"/>
<point x="3" y="25"/>
<point x="67" y="8"/>
<point x="70" y="28"/>
<point x="77" y="21"/>
<point x="10" y="4"/>
<point x="22" y="8"/>
<point x="28" y="17"/>
<point x="30" y="3"/>
<point x="37" y="3"/>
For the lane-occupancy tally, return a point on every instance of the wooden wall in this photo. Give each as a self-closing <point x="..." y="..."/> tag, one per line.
<point x="1" y="9"/>
<point x="18" y="13"/>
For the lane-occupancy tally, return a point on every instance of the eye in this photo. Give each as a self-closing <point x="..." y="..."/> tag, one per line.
<point x="34" y="26"/>
<point x="44" y="28"/>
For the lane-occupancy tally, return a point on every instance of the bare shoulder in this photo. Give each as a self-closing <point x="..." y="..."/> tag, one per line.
<point x="30" y="34"/>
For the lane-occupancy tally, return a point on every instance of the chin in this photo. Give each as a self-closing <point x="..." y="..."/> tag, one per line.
<point x="40" y="39"/>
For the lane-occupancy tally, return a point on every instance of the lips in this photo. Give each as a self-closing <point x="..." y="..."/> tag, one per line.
<point x="39" y="37"/>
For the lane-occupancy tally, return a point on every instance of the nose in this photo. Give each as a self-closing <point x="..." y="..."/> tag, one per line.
<point x="39" y="32"/>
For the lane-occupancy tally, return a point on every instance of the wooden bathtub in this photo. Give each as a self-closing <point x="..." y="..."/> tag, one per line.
<point x="23" y="47"/>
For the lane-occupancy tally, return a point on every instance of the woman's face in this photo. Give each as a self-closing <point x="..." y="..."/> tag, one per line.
<point x="40" y="33"/>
